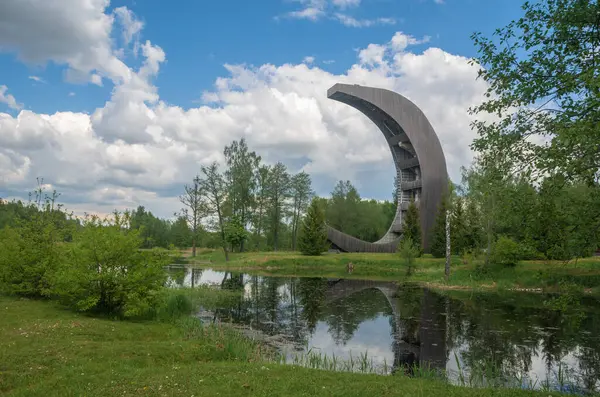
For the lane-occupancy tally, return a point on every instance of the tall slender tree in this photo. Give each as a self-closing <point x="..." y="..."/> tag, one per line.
<point x="278" y="193"/>
<point x="241" y="180"/>
<point x="262" y="202"/>
<point x="412" y="225"/>
<point x="214" y="192"/>
<point x="437" y="244"/>
<point x="194" y="208"/>
<point x="313" y="238"/>
<point x="301" y="192"/>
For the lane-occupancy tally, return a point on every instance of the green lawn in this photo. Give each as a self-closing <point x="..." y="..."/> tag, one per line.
<point x="48" y="351"/>
<point x="582" y="275"/>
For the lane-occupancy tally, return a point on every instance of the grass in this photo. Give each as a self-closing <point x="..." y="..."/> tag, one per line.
<point x="547" y="276"/>
<point x="48" y="351"/>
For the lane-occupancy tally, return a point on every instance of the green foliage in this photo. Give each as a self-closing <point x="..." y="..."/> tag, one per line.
<point x="506" y="252"/>
<point x="313" y="236"/>
<point x="235" y="233"/>
<point x="241" y="182"/>
<point x="408" y="251"/>
<point x="412" y="225"/>
<point x="154" y="232"/>
<point x="553" y="220"/>
<point x="31" y="249"/>
<point x="171" y="305"/>
<point x="458" y="226"/>
<point x="473" y="228"/>
<point x="364" y="219"/>
<point x="301" y="192"/>
<point x="542" y="76"/>
<point x="278" y="192"/>
<point x="181" y="235"/>
<point x="437" y="242"/>
<point x="104" y="270"/>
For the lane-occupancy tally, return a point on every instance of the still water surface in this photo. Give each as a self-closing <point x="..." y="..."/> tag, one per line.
<point x="532" y="340"/>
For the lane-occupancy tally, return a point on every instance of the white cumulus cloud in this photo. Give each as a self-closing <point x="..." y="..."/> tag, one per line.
<point x="314" y="10"/>
<point x="138" y="149"/>
<point x="8" y="99"/>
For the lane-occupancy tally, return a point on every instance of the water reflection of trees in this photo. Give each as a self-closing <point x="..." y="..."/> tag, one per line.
<point x="487" y="331"/>
<point x="507" y="334"/>
<point x="344" y="316"/>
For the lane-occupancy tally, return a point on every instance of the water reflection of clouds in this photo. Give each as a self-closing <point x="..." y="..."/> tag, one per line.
<point x="525" y="339"/>
<point x="372" y="336"/>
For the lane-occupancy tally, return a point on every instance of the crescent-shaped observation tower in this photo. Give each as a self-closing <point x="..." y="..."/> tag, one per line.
<point x="418" y="157"/>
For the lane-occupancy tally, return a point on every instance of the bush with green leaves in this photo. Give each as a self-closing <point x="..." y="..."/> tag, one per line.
<point x="235" y="232"/>
<point x="506" y="252"/>
<point x="31" y="248"/>
<point x="104" y="270"/>
<point x="172" y="305"/>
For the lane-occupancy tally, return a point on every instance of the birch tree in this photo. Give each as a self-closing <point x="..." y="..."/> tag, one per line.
<point x="194" y="209"/>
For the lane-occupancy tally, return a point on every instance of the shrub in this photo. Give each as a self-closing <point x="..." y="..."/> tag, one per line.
<point x="31" y="250"/>
<point x="409" y="252"/>
<point x="105" y="271"/>
<point x="528" y="252"/>
<point x="173" y="305"/>
<point x="506" y="252"/>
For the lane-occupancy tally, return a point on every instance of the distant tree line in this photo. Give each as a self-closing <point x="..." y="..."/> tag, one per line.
<point x="498" y="214"/>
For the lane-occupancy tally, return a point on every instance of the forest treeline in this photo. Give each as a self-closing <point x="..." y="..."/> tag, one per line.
<point x="261" y="209"/>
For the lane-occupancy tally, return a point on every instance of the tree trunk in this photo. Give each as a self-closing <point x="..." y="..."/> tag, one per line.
<point x="448" y="246"/>
<point x="194" y="245"/>
<point x="243" y="219"/>
<point x="226" y="253"/>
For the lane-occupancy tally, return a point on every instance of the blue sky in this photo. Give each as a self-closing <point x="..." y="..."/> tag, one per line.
<point x="190" y="42"/>
<point x="200" y="36"/>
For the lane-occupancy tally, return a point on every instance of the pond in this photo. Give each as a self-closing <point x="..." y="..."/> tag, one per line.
<point x="517" y="339"/>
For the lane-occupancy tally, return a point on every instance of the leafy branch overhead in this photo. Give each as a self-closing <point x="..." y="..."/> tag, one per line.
<point x="544" y="90"/>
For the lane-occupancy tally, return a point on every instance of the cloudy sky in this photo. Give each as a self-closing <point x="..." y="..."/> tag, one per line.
<point x="118" y="103"/>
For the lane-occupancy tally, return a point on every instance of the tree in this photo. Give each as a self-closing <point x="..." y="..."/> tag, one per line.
<point x="154" y="232"/>
<point x="486" y="183"/>
<point x="262" y="201"/>
<point x="241" y="178"/>
<point x="194" y="208"/>
<point x="473" y="225"/>
<point x="105" y="271"/>
<point x="278" y="192"/>
<point x="408" y="251"/>
<point x="437" y="243"/>
<point x="343" y="211"/>
<point x="458" y="227"/>
<point x="300" y="191"/>
<point x="31" y="250"/>
<point x="412" y="225"/>
<point x="180" y="233"/>
<point x="313" y="236"/>
<point x="214" y="191"/>
<point x="235" y="233"/>
<point x="542" y="71"/>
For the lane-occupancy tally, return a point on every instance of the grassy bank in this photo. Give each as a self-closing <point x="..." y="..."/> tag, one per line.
<point x="48" y="351"/>
<point x="550" y="276"/>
